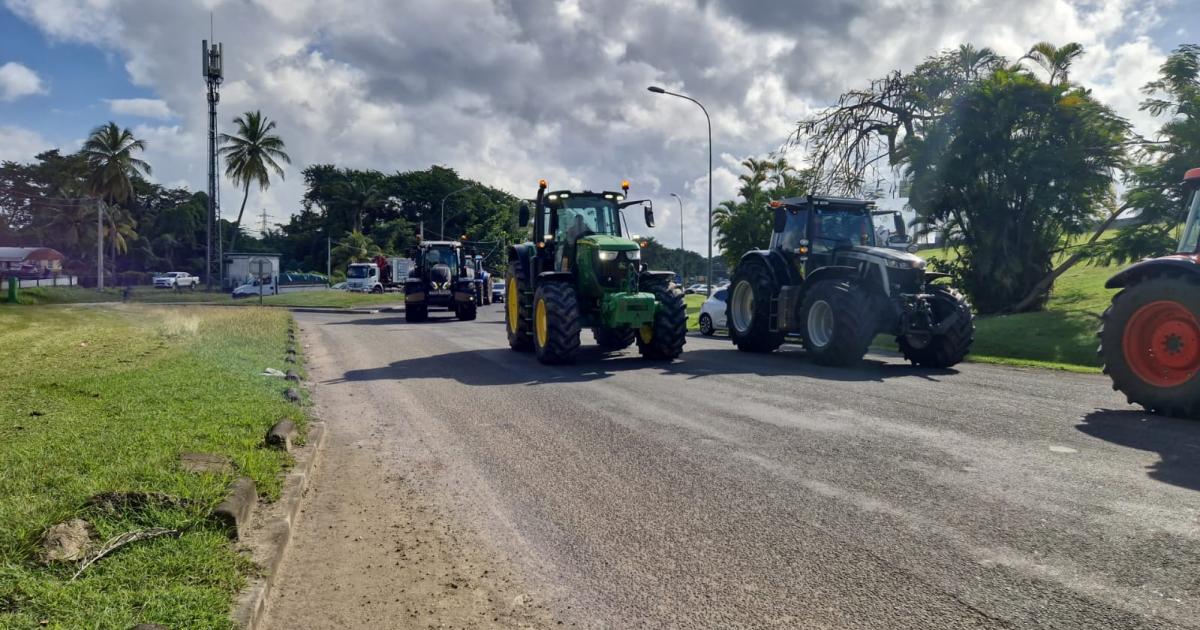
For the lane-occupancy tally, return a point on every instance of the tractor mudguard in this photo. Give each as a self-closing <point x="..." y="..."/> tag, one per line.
<point x="830" y="273"/>
<point x="1130" y="275"/>
<point x="781" y="271"/>
<point x="521" y="255"/>
<point x="554" y="276"/>
<point x="930" y="276"/>
<point x="648" y="278"/>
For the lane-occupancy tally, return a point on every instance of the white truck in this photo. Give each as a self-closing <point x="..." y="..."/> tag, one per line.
<point x="177" y="280"/>
<point x="378" y="276"/>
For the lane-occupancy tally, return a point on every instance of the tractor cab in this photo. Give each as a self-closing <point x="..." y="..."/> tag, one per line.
<point x="439" y="277"/>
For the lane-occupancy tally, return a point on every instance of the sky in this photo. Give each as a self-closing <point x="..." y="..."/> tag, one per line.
<point x="508" y="92"/>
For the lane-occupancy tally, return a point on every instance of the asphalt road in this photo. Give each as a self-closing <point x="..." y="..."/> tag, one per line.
<point x="737" y="490"/>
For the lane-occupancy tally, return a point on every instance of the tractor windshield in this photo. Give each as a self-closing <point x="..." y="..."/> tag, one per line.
<point x="839" y="227"/>
<point x="580" y="216"/>
<point x="447" y="257"/>
<point x="1190" y="241"/>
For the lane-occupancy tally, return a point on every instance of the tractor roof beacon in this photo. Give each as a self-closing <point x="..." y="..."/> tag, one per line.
<point x="1150" y="335"/>
<point x="583" y="271"/>
<point x="439" y="277"/>
<point x="824" y="277"/>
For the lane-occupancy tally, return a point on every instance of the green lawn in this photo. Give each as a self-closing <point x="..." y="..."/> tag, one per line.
<point x="146" y="295"/>
<point x="104" y="399"/>
<point x="694" y="302"/>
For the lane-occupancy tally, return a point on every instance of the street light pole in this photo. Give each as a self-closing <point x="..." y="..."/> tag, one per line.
<point x="682" y="252"/>
<point x="658" y="90"/>
<point x="443" y="232"/>
<point x="99" y="244"/>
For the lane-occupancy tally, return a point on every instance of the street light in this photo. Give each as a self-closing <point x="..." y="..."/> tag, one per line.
<point x="442" y="234"/>
<point x="658" y="90"/>
<point x="682" y="254"/>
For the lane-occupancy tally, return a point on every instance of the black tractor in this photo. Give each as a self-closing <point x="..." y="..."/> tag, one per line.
<point x="439" y="277"/>
<point x="825" y="279"/>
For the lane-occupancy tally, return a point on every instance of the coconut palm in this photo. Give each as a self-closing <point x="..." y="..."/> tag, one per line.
<point x="251" y="155"/>
<point x="1055" y="60"/>
<point x="109" y="152"/>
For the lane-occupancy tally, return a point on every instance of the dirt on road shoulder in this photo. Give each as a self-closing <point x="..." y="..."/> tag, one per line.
<point x="370" y="551"/>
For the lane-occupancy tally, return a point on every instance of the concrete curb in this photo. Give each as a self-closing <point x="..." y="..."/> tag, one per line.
<point x="335" y="311"/>
<point x="273" y="533"/>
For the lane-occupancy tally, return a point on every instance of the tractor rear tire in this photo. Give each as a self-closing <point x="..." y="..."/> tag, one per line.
<point x="518" y="310"/>
<point x="838" y="322"/>
<point x="613" y="339"/>
<point x="754" y="335"/>
<point x="663" y="339"/>
<point x="1149" y="338"/>
<point x="952" y="346"/>
<point x="416" y="312"/>
<point x="465" y="311"/>
<point x="555" y="323"/>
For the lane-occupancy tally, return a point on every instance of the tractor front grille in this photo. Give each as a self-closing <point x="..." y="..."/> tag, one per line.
<point x="906" y="280"/>
<point x="614" y="274"/>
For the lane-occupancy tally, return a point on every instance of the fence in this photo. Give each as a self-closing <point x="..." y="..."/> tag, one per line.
<point x="52" y="281"/>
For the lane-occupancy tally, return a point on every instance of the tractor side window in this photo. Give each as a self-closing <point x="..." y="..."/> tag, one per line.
<point x="794" y="231"/>
<point x="1190" y="241"/>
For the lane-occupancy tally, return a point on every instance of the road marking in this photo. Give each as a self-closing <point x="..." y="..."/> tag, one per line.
<point x="1062" y="449"/>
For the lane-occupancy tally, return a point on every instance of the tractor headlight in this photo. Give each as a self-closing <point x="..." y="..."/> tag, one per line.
<point x="633" y="254"/>
<point x="898" y="264"/>
<point x="607" y="256"/>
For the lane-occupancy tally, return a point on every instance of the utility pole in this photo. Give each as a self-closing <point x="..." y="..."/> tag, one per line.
<point x="328" y="257"/>
<point x="212" y="62"/>
<point x="99" y="244"/>
<point x="682" y="251"/>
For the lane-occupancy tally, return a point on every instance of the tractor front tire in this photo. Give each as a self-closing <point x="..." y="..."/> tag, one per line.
<point x="465" y="311"/>
<point x="518" y="310"/>
<point x="416" y="312"/>
<point x="613" y="339"/>
<point x="952" y="346"/>
<point x="1150" y="344"/>
<point x="663" y="339"/>
<point x="555" y="323"/>
<point x="748" y="311"/>
<point x="838" y="322"/>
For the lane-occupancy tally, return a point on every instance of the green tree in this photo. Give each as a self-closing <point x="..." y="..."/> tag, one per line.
<point x="109" y="151"/>
<point x="251" y="155"/>
<point x="1015" y="167"/>
<point x="746" y="224"/>
<point x="354" y="247"/>
<point x="1055" y="60"/>
<point x="1155" y="189"/>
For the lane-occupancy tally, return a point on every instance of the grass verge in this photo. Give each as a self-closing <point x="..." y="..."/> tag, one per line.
<point x="146" y="295"/>
<point x="104" y="399"/>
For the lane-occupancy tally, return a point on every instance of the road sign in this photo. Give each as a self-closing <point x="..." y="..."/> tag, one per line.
<point x="262" y="269"/>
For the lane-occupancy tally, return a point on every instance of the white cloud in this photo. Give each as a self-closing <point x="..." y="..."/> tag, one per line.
<point x="17" y="80"/>
<point x="142" y="107"/>
<point x="511" y="91"/>
<point x="20" y="145"/>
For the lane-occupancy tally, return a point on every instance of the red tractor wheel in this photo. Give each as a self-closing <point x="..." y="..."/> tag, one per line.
<point x="1150" y="343"/>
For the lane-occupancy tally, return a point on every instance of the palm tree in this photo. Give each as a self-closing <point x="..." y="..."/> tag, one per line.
<point x="250" y="157"/>
<point x="1055" y="60"/>
<point x="109" y="154"/>
<point x="971" y="60"/>
<point x="358" y="196"/>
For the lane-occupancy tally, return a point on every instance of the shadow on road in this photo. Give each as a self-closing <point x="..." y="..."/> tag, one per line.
<point x="501" y="366"/>
<point x="1176" y="441"/>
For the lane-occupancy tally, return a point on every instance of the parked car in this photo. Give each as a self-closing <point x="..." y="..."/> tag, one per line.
<point x="498" y="291"/>
<point x="176" y="280"/>
<point x="696" y="288"/>
<point x="340" y="286"/>
<point x="712" y="313"/>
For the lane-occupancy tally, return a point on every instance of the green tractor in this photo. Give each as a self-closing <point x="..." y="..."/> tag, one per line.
<point x="583" y="272"/>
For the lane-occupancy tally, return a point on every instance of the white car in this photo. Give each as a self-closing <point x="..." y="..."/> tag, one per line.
<point x="176" y="280"/>
<point x="712" y="313"/>
<point x="696" y="288"/>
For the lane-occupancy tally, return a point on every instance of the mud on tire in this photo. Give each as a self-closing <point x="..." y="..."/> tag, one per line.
<point x="952" y="346"/>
